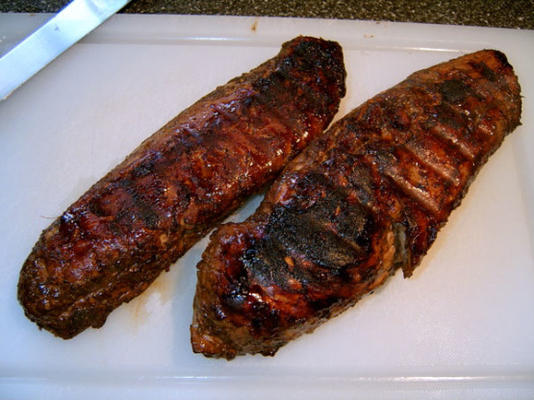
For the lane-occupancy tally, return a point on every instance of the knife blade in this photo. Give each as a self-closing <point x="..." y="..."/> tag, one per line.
<point x="72" y="23"/>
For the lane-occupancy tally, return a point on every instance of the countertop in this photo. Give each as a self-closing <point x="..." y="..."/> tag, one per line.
<point x="517" y="14"/>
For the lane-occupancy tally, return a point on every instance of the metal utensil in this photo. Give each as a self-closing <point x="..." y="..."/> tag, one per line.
<point x="72" y="23"/>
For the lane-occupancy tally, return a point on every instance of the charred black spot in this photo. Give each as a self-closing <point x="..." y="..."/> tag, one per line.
<point x="454" y="91"/>
<point x="450" y="117"/>
<point x="81" y="315"/>
<point x="235" y="299"/>
<point x="395" y="115"/>
<point x="142" y="207"/>
<point x="265" y="319"/>
<point x="292" y="79"/>
<point x="328" y="240"/>
<point x="266" y="84"/>
<point x="484" y="70"/>
<point x="282" y="85"/>
<point x="332" y="234"/>
<point x="323" y="304"/>
<point x="238" y="289"/>
<point x="502" y="58"/>
<point x="312" y="54"/>
<point x="266" y="262"/>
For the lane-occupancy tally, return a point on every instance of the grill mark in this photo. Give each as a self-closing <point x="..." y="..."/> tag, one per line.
<point x="450" y="115"/>
<point x="255" y="147"/>
<point x="370" y="206"/>
<point x="326" y="225"/>
<point x="355" y="162"/>
<point x="454" y="91"/>
<point x="462" y="147"/>
<point x="485" y="130"/>
<point x="353" y="194"/>
<point x="484" y="70"/>
<point x="370" y="203"/>
<point x="441" y="169"/>
<point x="342" y="196"/>
<point x="288" y="261"/>
<point x="290" y="123"/>
<point x="309" y="262"/>
<point x="348" y="193"/>
<point x="418" y="195"/>
<point x="344" y="239"/>
<point x="318" y="255"/>
<point x="146" y="212"/>
<point x="265" y="262"/>
<point x="386" y="165"/>
<point x="322" y="238"/>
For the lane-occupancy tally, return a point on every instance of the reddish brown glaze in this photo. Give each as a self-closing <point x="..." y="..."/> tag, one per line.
<point x="183" y="180"/>
<point x="366" y="198"/>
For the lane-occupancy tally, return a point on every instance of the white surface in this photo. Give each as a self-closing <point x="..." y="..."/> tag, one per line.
<point x="461" y="327"/>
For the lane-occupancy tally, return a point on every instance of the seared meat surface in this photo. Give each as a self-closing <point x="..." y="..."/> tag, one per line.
<point x="109" y="245"/>
<point x="364" y="199"/>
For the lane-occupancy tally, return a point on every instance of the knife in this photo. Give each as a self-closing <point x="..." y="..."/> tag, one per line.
<point x="72" y="23"/>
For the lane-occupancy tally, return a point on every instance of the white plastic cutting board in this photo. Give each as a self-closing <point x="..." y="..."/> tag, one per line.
<point x="461" y="327"/>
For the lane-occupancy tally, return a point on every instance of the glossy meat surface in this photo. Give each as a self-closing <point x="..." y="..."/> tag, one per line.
<point x="364" y="199"/>
<point x="109" y="245"/>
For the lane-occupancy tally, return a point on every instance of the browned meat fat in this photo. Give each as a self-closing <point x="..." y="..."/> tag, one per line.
<point x="364" y="199"/>
<point x="177" y="185"/>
